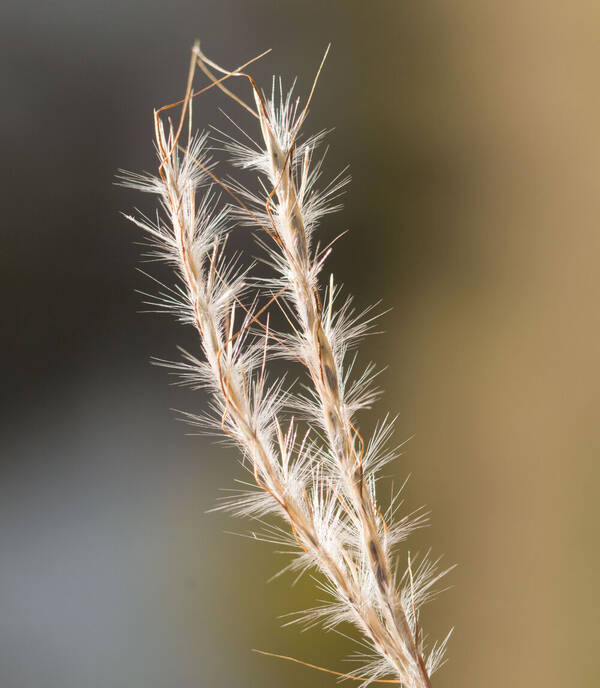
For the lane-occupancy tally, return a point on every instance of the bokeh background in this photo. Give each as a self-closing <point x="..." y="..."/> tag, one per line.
<point x="472" y="130"/>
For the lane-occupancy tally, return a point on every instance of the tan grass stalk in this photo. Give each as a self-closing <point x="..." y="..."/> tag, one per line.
<point x="324" y="490"/>
<point x="326" y="373"/>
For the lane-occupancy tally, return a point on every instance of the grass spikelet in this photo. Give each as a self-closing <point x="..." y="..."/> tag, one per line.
<point x="309" y="466"/>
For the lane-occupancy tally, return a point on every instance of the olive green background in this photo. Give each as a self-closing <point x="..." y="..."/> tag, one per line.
<point x="472" y="131"/>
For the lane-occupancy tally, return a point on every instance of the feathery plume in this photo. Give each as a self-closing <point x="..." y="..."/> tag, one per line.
<point x="319" y="480"/>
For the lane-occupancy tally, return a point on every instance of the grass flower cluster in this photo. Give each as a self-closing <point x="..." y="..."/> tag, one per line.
<point x="310" y="466"/>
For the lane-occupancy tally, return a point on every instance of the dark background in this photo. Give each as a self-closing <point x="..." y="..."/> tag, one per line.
<point x="472" y="133"/>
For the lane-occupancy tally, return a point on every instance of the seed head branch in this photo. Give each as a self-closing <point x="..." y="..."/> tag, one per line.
<point x="321" y="483"/>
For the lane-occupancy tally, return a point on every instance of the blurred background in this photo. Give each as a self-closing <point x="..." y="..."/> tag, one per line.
<point x="472" y="130"/>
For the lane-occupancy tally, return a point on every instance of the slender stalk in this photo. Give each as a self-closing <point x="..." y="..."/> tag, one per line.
<point x="326" y="374"/>
<point x="322" y="486"/>
<point x="228" y="378"/>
